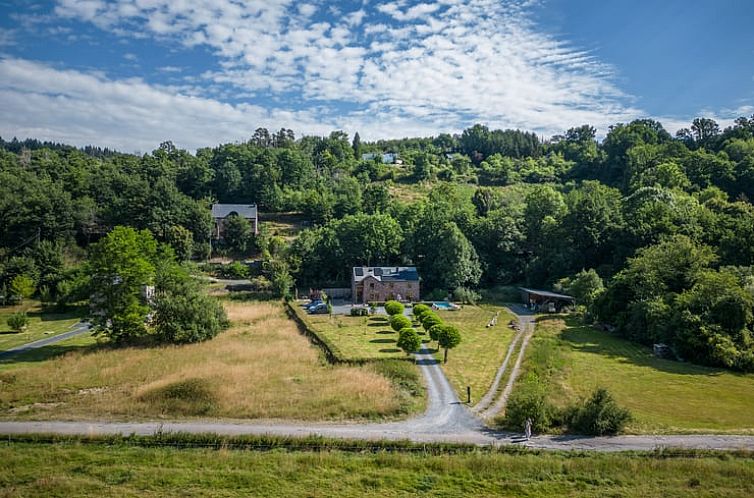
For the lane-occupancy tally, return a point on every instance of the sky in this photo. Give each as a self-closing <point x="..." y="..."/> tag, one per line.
<point x="130" y="74"/>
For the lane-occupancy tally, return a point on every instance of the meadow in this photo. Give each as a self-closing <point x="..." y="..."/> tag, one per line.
<point x="73" y="469"/>
<point x="260" y="368"/>
<point x="664" y="396"/>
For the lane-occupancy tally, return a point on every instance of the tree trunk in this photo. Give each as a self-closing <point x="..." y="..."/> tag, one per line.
<point x="446" y="355"/>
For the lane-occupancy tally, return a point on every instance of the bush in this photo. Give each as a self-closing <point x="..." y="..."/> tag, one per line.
<point x="235" y="270"/>
<point x="18" y="321"/>
<point x="529" y="400"/>
<point x="21" y="287"/>
<point x="393" y="308"/>
<point x="408" y="340"/>
<point x="599" y="415"/>
<point x="399" y="322"/>
<point x="359" y="311"/>
<point x="190" y="316"/>
<point x="419" y="310"/>
<point x="466" y="295"/>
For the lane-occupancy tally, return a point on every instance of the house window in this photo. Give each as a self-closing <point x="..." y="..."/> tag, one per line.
<point x="371" y="286"/>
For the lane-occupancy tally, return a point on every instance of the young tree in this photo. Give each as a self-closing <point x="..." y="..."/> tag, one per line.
<point x="429" y="320"/>
<point x="399" y="322"/>
<point x="181" y="240"/>
<point x="121" y="265"/>
<point x="419" y="310"/>
<point x="448" y="337"/>
<point x="21" y="287"/>
<point x="18" y="321"/>
<point x="408" y="340"/>
<point x="586" y="287"/>
<point x="237" y="233"/>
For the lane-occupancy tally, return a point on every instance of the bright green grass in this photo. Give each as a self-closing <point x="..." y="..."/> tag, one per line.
<point x="475" y="361"/>
<point x="28" y="469"/>
<point x="663" y="395"/>
<point x="356" y="338"/>
<point x="41" y="324"/>
<point x="79" y="343"/>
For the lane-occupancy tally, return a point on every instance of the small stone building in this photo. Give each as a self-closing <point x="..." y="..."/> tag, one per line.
<point x="376" y="284"/>
<point x="221" y="212"/>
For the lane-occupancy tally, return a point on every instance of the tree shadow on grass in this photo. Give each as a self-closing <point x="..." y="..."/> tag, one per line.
<point x="390" y="350"/>
<point x="587" y="339"/>
<point x="383" y="341"/>
<point x="385" y="332"/>
<point x="47" y="352"/>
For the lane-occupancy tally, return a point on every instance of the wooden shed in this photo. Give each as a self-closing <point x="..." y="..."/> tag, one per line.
<point x="546" y="301"/>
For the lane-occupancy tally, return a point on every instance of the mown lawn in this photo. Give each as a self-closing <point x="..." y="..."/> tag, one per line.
<point x="42" y="324"/>
<point x="29" y="469"/>
<point x="356" y="338"/>
<point x="261" y="368"/>
<point x="475" y="361"/>
<point x="663" y="395"/>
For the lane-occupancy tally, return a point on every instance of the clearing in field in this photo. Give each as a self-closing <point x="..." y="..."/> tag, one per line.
<point x="260" y="368"/>
<point x="473" y="363"/>
<point x="664" y="396"/>
<point x="41" y="324"/>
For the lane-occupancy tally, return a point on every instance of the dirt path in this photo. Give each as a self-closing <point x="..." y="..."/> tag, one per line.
<point x="489" y="396"/>
<point x="78" y="329"/>
<point x="526" y="322"/>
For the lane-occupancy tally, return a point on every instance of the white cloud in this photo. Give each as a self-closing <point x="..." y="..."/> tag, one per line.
<point x="398" y="67"/>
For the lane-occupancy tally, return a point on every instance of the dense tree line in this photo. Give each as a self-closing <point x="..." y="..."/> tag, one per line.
<point x="596" y="218"/>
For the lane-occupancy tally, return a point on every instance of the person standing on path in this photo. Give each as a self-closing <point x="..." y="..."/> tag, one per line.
<point x="527" y="428"/>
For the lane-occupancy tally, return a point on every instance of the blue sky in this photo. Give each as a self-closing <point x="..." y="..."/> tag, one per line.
<point x="132" y="73"/>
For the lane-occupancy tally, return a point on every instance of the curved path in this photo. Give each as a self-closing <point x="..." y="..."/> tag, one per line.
<point x="445" y="420"/>
<point x="78" y="329"/>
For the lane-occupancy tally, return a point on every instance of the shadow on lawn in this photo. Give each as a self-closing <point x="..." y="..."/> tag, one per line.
<point x="383" y="341"/>
<point x="390" y="350"/>
<point x="587" y="339"/>
<point x="47" y="352"/>
<point x="385" y="332"/>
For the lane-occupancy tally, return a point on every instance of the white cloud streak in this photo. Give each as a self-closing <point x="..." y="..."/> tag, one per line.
<point x="398" y="67"/>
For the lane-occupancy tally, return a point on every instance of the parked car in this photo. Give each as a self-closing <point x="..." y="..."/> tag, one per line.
<point x="320" y="309"/>
<point x="313" y="304"/>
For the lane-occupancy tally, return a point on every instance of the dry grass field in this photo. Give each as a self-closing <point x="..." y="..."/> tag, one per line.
<point x="260" y="368"/>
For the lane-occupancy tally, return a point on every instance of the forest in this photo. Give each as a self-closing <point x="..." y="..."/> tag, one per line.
<point x="652" y="233"/>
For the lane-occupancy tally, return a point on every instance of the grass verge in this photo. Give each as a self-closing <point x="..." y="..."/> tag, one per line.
<point x="211" y="466"/>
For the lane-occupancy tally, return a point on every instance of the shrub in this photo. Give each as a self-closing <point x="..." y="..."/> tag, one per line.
<point x="21" y="287"/>
<point x="234" y="270"/>
<point x="598" y="415"/>
<point x="399" y="322"/>
<point x="419" y="310"/>
<point x="190" y="316"/>
<point x="466" y="295"/>
<point x="18" y="321"/>
<point x="393" y="308"/>
<point x="359" y="311"/>
<point x="529" y="400"/>
<point x="408" y="340"/>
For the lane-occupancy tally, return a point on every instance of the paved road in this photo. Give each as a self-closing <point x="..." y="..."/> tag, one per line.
<point x="78" y="329"/>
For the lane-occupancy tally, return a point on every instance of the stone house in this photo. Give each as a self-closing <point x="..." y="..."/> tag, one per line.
<point x="373" y="284"/>
<point x="221" y="212"/>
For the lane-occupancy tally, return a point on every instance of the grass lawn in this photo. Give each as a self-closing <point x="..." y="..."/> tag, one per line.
<point x="663" y="395"/>
<point x="261" y="368"/>
<point x="356" y="338"/>
<point x="33" y="469"/>
<point x="472" y="363"/>
<point x="41" y="324"/>
<point x="286" y="225"/>
<point x="475" y="361"/>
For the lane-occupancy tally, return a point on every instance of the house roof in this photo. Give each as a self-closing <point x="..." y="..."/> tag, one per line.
<point x="247" y="211"/>
<point x="553" y="295"/>
<point x="386" y="273"/>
